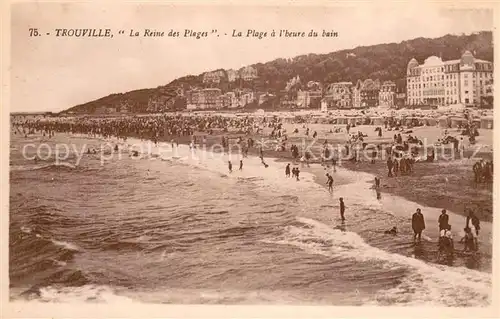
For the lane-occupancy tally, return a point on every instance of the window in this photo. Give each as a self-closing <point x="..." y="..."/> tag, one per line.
<point x="466" y="92"/>
<point x="466" y="83"/>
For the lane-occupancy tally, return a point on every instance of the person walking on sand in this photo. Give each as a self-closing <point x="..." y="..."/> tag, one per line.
<point x="230" y="166"/>
<point x="334" y="162"/>
<point x="241" y="165"/>
<point x="287" y="170"/>
<point x="418" y="225"/>
<point x="329" y="182"/>
<point x="389" y="167"/>
<point x="297" y="172"/>
<point x="342" y="208"/>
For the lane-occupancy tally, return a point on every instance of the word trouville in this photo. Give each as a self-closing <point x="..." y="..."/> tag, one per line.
<point x="96" y="33"/>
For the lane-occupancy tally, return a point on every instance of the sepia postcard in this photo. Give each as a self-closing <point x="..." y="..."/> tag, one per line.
<point x="226" y="160"/>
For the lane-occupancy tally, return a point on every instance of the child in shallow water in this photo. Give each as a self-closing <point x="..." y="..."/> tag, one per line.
<point x="392" y="231"/>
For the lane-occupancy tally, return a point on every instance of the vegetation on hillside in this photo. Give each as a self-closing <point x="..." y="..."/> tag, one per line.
<point x="383" y="61"/>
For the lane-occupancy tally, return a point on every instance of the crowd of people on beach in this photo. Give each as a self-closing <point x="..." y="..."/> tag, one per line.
<point x="483" y="171"/>
<point x="144" y="127"/>
<point x="445" y="242"/>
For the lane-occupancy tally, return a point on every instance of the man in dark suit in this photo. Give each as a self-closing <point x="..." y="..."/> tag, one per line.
<point x="418" y="224"/>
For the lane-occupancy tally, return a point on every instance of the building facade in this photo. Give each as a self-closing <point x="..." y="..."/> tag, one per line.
<point x="387" y="94"/>
<point x="230" y="100"/>
<point x="487" y="98"/>
<point x="438" y="82"/>
<point x="210" y="98"/>
<point x="248" y="73"/>
<point x="309" y="99"/>
<point x="232" y="75"/>
<point x="338" y="95"/>
<point x="366" y="93"/>
<point x="213" y="77"/>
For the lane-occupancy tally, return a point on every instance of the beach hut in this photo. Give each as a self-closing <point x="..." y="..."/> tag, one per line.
<point x="487" y="122"/>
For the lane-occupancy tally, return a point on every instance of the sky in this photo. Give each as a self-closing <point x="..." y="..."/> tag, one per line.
<point x="51" y="73"/>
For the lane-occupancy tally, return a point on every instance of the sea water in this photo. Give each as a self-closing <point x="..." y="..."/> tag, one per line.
<point x="174" y="226"/>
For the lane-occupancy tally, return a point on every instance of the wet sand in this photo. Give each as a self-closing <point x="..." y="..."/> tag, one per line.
<point x="447" y="184"/>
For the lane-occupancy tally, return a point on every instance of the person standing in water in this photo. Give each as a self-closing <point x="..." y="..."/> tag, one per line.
<point x="287" y="170"/>
<point x="230" y="166"/>
<point x="342" y="208"/>
<point x="418" y="225"/>
<point x="472" y="218"/>
<point x="469" y="240"/>
<point x="241" y="165"/>
<point x="329" y="182"/>
<point x="443" y="220"/>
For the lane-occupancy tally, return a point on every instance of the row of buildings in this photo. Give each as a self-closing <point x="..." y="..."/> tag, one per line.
<point x="363" y="94"/>
<point x="435" y="82"/>
<point x="214" y="98"/>
<point x="467" y="81"/>
<point x="247" y="73"/>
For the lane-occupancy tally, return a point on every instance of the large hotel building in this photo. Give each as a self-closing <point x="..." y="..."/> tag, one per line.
<point x="438" y="82"/>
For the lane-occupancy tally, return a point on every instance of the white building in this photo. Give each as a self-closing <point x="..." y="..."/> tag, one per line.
<point x="248" y="73"/>
<point x="232" y="75"/>
<point x="439" y="82"/>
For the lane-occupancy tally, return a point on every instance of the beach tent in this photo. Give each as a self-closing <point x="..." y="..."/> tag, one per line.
<point x="377" y="121"/>
<point x="342" y="120"/>
<point x="443" y="121"/>
<point x="358" y="120"/>
<point x="430" y="121"/>
<point x="456" y="121"/>
<point x="288" y="119"/>
<point x="487" y="122"/>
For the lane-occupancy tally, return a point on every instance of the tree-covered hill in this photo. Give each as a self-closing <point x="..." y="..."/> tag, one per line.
<point x="382" y="61"/>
